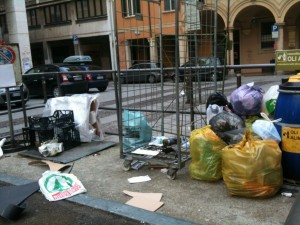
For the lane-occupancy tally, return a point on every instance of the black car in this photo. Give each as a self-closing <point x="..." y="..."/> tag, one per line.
<point x="149" y="72"/>
<point x="15" y="95"/>
<point x="203" y="70"/>
<point x="70" y="83"/>
<point x="96" y="78"/>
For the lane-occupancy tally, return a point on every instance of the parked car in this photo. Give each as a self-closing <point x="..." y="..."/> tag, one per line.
<point x="14" y="95"/>
<point x="70" y="83"/>
<point x="204" y="72"/>
<point x="142" y="73"/>
<point x="96" y="79"/>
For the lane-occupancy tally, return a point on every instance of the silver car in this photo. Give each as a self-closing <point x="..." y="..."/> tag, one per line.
<point x="142" y="73"/>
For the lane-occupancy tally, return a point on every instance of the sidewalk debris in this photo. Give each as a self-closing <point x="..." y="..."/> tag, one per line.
<point x="52" y="166"/>
<point x="57" y="186"/>
<point x="147" y="201"/>
<point x="139" y="179"/>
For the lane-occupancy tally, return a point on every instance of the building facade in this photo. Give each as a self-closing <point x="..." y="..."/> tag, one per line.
<point x="60" y="28"/>
<point x="151" y="30"/>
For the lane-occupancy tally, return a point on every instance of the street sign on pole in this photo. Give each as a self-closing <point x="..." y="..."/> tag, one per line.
<point x="274" y="31"/>
<point x="75" y="39"/>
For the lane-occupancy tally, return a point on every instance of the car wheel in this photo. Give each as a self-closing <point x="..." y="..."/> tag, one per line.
<point x="151" y="79"/>
<point x="55" y="92"/>
<point x="102" y="89"/>
<point x="19" y="104"/>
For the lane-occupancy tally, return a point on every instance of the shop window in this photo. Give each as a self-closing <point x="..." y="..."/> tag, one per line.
<point x="131" y="8"/>
<point x="169" y="5"/>
<point x="266" y="39"/>
<point x="56" y="14"/>
<point x="32" y="18"/>
<point x="87" y="9"/>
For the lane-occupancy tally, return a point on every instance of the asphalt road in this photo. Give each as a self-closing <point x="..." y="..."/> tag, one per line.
<point x="40" y="211"/>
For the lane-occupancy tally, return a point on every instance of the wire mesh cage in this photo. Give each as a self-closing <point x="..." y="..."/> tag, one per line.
<point x="169" y="62"/>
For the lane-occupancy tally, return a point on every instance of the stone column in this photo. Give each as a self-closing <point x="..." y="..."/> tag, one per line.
<point x="47" y="52"/>
<point x="18" y="30"/>
<point x="77" y="48"/>
<point x="153" y="49"/>
<point x="279" y="41"/>
<point x="127" y="54"/>
<point x="230" y="52"/>
<point x="183" y="50"/>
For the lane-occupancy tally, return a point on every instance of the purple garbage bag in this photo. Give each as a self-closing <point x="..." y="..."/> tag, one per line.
<point x="246" y="100"/>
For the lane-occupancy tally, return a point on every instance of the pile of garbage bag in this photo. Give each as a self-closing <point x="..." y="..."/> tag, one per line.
<point x="240" y="143"/>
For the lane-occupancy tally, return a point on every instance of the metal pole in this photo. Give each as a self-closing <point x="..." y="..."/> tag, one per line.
<point x="44" y="88"/>
<point x="177" y="2"/>
<point x="215" y="43"/>
<point x="117" y="82"/>
<point x="10" y="119"/>
<point x="23" y="106"/>
<point x="161" y="70"/>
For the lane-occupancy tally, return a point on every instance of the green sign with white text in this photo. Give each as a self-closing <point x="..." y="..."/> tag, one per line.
<point x="287" y="59"/>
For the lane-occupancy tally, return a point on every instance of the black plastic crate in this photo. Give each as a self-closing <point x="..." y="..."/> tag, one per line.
<point x="63" y="116"/>
<point x="68" y="135"/>
<point x="34" y="137"/>
<point x="60" y="125"/>
<point x="41" y="123"/>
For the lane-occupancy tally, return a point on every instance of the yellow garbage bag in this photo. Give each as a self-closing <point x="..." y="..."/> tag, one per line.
<point x="252" y="168"/>
<point x="206" y="158"/>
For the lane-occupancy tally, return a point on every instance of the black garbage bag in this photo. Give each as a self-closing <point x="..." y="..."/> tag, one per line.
<point x="218" y="99"/>
<point x="228" y="126"/>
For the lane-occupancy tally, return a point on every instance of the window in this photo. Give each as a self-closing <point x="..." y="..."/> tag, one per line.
<point x="56" y="14"/>
<point x="266" y="35"/>
<point x="169" y="5"/>
<point x="130" y="7"/>
<point x="3" y="24"/>
<point x="86" y="9"/>
<point x="32" y="18"/>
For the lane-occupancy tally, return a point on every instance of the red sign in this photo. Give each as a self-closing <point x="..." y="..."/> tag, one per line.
<point x="7" y="55"/>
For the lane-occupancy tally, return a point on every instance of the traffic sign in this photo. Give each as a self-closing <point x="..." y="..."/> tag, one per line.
<point x="7" y="55"/>
<point x="75" y="39"/>
<point x="274" y="31"/>
<point x="274" y="28"/>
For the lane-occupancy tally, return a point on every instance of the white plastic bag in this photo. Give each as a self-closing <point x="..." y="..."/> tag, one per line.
<point x="83" y="116"/>
<point x="1" y="144"/>
<point x="269" y="100"/>
<point x="266" y="129"/>
<point x="212" y="110"/>
<point x="51" y="148"/>
<point x="57" y="186"/>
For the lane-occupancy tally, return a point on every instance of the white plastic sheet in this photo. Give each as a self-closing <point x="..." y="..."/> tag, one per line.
<point x="81" y="105"/>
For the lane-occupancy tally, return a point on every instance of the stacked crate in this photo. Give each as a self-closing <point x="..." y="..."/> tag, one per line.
<point x="59" y="126"/>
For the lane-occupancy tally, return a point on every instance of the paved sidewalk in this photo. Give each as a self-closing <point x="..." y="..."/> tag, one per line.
<point x="186" y="201"/>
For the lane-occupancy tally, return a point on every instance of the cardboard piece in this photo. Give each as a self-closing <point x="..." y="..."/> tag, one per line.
<point x="52" y="166"/>
<point x="152" y="196"/>
<point x="147" y="201"/>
